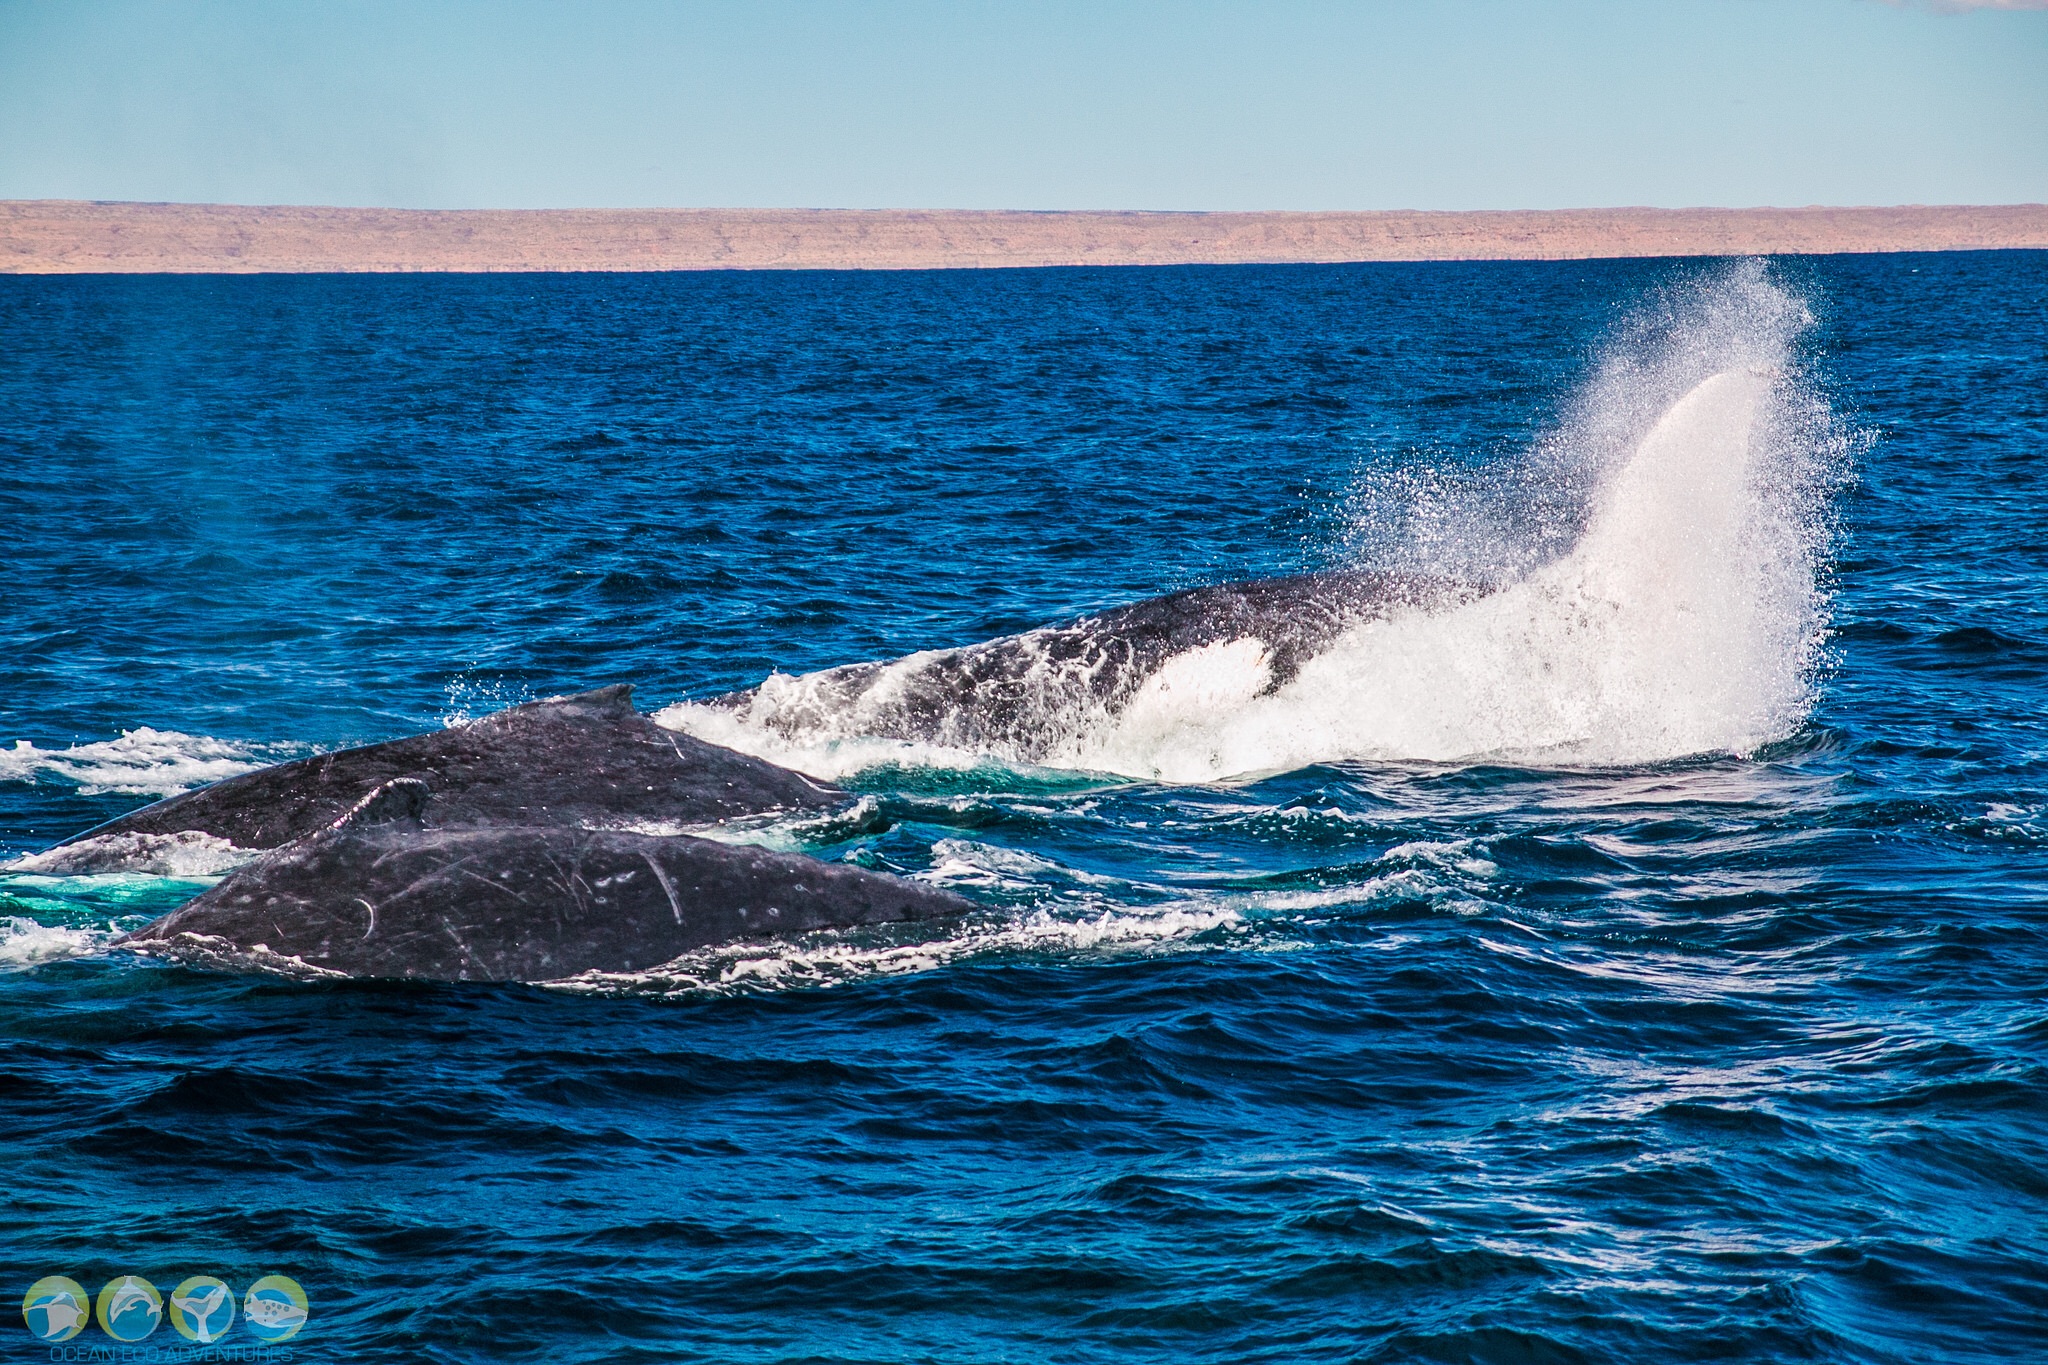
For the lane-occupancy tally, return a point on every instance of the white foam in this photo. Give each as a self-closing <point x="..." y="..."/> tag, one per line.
<point x="784" y="831"/>
<point x="966" y="862"/>
<point x="1294" y="907"/>
<point x="211" y="951"/>
<point x="835" y="958"/>
<point x="1685" y="621"/>
<point x="2005" y="820"/>
<point x="1683" y="617"/>
<point x="25" y="943"/>
<point x="142" y="762"/>
<point x="835" y="748"/>
<point x="1456" y="855"/>
<point x="1076" y="915"/>
<point x="187" y="855"/>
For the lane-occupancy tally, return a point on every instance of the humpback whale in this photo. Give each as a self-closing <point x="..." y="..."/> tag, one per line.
<point x="505" y="849"/>
<point x="381" y="895"/>
<point x="998" y="695"/>
<point x="574" y="760"/>
<point x="516" y="847"/>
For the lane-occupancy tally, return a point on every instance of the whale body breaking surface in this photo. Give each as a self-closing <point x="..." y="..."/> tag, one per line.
<point x="501" y="850"/>
<point x="563" y="837"/>
<point x="547" y="841"/>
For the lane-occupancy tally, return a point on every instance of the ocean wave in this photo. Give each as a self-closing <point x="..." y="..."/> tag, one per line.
<point x="834" y="958"/>
<point x="25" y="942"/>
<point x="187" y="855"/>
<point x="142" y="762"/>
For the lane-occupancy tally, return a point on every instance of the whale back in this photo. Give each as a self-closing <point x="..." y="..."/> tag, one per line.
<point x="1022" y="694"/>
<point x="586" y="759"/>
<point x="390" y="899"/>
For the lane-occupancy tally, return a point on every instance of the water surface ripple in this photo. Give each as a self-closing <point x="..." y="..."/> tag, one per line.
<point x="1722" y="1058"/>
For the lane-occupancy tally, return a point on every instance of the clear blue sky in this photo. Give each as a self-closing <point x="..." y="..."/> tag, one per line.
<point x="1299" y="104"/>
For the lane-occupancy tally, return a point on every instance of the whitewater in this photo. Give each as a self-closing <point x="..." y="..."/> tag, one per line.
<point x="1687" y="616"/>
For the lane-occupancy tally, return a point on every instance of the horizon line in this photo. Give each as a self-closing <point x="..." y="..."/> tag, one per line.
<point x="114" y="236"/>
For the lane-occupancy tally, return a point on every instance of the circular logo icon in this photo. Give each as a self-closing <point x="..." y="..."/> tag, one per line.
<point x="274" y="1308"/>
<point x="202" y="1309"/>
<point x="130" y="1308"/>
<point x="56" y="1308"/>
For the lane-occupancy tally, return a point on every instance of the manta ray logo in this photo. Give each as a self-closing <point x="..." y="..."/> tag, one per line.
<point x="130" y="1308"/>
<point x="56" y="1308"/>
<point x="202" y="1309"/>
<point x="275" y="1308"/>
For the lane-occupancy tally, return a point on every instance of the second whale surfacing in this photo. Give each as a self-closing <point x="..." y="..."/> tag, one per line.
<point x="387" y="897"/>
<point x="514" y="848"/>
<point x="584" y="759"/>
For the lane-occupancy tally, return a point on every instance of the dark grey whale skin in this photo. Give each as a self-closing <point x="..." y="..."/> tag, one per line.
<point x="588" y="759"/>
<point x="394" y="899"/>
<point x="492" y="852"/>
<point x="996" y="694"/>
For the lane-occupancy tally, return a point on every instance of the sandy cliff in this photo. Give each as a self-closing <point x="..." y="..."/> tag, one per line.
<point x="72" y="237"/>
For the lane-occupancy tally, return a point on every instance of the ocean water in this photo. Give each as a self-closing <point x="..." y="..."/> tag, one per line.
<point x="1639" y="957"/>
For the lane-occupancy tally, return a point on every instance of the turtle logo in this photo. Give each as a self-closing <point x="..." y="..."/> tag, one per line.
<point x="274" y="1308"/>
<point x="202" y="1309"/>
<point x="56" y="1308"/>
<point x="130" y="1308"/>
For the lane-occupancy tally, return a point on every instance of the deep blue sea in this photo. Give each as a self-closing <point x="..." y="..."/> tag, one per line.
<point x="1646" y="962"/>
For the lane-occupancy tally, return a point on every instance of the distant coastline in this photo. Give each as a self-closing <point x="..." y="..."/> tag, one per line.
<point x="53" y="236"/>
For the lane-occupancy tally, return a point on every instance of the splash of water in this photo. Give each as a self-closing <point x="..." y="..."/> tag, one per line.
<point x="142" y="762"/>
<point x="27" y="943"/>
<point x="1656" y="574"/>
<point x="186" y="855"/>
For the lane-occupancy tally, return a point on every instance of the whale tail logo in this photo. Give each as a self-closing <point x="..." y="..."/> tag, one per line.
<point x="202" y="1309"/>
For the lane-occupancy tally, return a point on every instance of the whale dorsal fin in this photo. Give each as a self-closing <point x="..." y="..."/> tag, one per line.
<point x="618" y="698"/>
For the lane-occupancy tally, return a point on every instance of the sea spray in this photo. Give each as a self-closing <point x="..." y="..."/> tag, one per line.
<point x="142" y="762"/>
<point x="1685" y="621"/>
<point x="1494" y="520"/>
<point x="1646" y="585"/>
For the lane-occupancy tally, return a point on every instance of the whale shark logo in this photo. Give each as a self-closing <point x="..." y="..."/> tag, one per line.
<point x="56" y="1308"/>
<point x="130" y="1308"/>
<point x="275" y="1308"/>
<point x="202" y="1309"/>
